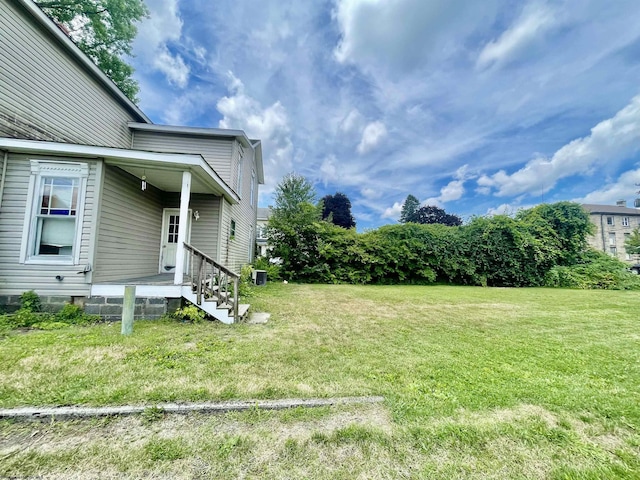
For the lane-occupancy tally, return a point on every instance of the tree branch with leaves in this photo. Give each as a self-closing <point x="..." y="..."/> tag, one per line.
<point x="104" y="30"/>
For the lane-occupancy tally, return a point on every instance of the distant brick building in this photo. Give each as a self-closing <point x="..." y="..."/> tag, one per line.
<point x="613" y="225"/>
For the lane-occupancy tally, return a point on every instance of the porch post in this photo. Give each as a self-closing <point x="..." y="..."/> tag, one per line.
<point x="185" y="194"/>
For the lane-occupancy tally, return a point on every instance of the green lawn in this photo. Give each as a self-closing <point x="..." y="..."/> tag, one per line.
<point x="480" y="383"/>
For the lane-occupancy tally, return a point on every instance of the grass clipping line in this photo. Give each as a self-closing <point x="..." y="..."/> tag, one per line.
<point x="35" y="413"/>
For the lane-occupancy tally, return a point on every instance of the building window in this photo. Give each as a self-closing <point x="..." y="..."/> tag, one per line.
<point x="627" y="255"/>
<point x="53" y="225"/>
<point x="253" y="187"/>
<point x="612" y="244"/>
<point x="610" y="221"/>
<point x="232" y="230"/>
<point x="625" y="221"/>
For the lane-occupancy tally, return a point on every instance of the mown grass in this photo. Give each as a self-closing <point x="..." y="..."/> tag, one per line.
<point x="480" y="383"/>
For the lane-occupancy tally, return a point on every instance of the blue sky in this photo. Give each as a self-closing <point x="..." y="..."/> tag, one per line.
<point x="478" y="107"/>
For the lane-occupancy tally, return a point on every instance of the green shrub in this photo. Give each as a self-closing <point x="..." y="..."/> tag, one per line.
<point x="246" y="281"/>
<point x="27" y="318"/>
<point x="31" y="316"/>
<point x="273" y="270"/>
<point x="30" y="301"/>
<point x="74" y="315"/>
<point x="595" y="270"/>
<point x="189" y="313"/>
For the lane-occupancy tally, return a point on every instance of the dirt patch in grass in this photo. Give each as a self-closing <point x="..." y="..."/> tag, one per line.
<point x="179" y="446"/>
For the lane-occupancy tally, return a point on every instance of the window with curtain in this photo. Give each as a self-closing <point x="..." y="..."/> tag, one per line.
<point x="56" y="218"/>
<point x="57" y="196"/>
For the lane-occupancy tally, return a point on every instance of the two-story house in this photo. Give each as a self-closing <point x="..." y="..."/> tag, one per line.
<point x="94" y="196"/>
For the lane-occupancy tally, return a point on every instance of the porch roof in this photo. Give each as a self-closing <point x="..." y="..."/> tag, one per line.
<point x="239" y="135"/>
<point x="163" y="170"/>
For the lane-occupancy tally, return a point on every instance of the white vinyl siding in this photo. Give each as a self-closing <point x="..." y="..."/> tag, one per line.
<point x="47" y="95"/>
<point x="238" y="252"/>
<point x="204" y="231"/>
<point x="17" y="277"/>
<point x="216" y="152"/>
<point x="129" y="228"/>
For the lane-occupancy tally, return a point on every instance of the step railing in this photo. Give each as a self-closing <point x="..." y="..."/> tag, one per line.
<point x="211" y="281"/>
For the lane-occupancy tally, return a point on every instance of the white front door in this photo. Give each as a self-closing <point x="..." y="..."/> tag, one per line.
<point x="170" y="219"/>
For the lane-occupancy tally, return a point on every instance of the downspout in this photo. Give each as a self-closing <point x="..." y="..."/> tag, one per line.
<point x="604" y="247"/>
<point x="4" y="175"/>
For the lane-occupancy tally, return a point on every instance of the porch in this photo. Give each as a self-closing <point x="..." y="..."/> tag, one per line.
<point x="209" y="285"/>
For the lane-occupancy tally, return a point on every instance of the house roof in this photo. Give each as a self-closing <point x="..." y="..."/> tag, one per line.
<point x="612" y="209"/>
<point x="164" y="170"/>
<point x="143" y="121"/>
<point x="264" y="213"/>
<point x="238" y="135"/>
<point x="78" y="55"/>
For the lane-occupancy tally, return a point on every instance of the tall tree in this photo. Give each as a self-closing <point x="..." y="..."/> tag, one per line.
<point x="409" y="207"/>
<point x="432" y="214"/>
<point x="568" y="220"/>
<point x="337" y="209"/>
<point x="104" y="31"/>
<point x="291" y="231"/>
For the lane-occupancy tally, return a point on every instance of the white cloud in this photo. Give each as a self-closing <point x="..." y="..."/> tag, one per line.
<point x="372" y="135"/>
<point x="270" y="124"/>
<point x="370" y="193"/>
<point x="164" y="26"/>
<point x="176" y="71"/>
<point x="393" y="212"/>
<point x="328" y="170"/>
<point x="611" y="140"/>
<point x="527" y="29"/>
<point x="454" y="190"/>
<point x="507" y="209"/>
<point x="625" y="186"/>
<point x="352" y="122"/>
<point x="401" y="34"/>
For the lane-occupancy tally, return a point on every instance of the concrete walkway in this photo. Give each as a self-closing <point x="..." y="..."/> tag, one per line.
<point x="45" y="413"/>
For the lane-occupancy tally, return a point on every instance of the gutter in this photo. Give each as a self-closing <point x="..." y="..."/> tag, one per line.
<point x="4" y="175"/>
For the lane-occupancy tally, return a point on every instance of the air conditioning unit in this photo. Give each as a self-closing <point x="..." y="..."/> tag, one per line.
<point x="259" y="277"/>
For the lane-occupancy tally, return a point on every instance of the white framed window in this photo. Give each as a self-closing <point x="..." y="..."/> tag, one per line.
<point x="55" y="207"/>
<point x="612" y="239"/>
<point x="609" y="220"/>
<point x="253" y="187"/>
<point x="625" y="221"/>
